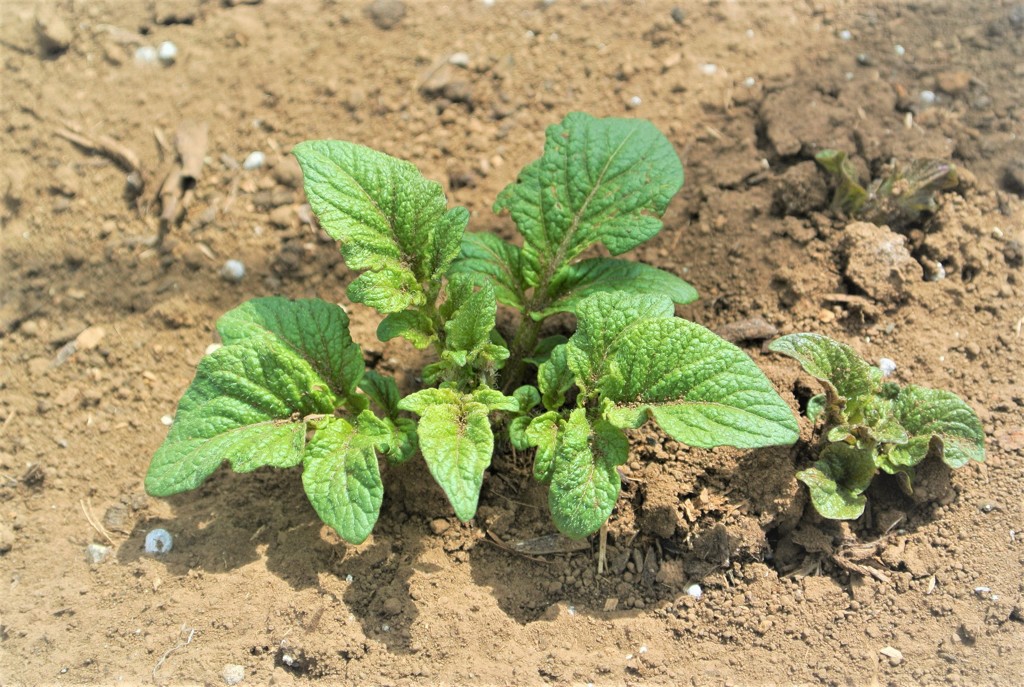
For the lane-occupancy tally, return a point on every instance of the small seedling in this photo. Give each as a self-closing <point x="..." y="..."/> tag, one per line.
<point x="897" y="198"/>
<point x="289" y="386"/>
<point x="872" y="425"/>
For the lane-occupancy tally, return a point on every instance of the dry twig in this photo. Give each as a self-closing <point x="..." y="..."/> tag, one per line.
<point x="87" y="511"/>
<point x="180" y="645"/>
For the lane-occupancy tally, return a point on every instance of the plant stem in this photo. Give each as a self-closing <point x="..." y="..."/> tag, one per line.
<point x="522" y="345"/>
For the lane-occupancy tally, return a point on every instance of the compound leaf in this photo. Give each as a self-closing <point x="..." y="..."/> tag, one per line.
<point x="390" y="221"/>
<point x="485" y="258"/>
<point x="584" y="482"/>
<point x="941" y="416"/>
<point x="599" y="180"/>
<point x="575" y="282"/>
<point x="245" y="405"/>
<point x="342" y="479"/>
<point x="315" y="330"/>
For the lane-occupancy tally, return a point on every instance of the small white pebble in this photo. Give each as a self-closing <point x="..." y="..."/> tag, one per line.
<point x="982" y="590"/>
<point x="749" y="33"/>
<point x="629" y="657"/>
<point x="385" y="628"/>
<point x="167" y="53"/>
<point x="96" y="553"/>
<point x="571" y="610"/>
<point x="887" y="366"/>
<point x="288" y="660"/>
<point x="167" y="420"/>
<point x="349" y="578"/>
<point x="159" y="541"/>
<point x="254" y="160"/>
<point x="694" y="591"/>
<point x="749" y="82"/>
<point x="643" y="649"/>
<point x="709" y="69"/>
<point x="635" y="101"/>
<point x="939" y="274"/>
<point x="145" y="55"/>
<point x="213" y="348"/>
<point x="900" y="50"/>
<point x="233" y="270"/>
<point x="927" y="97"/>
<point x="233" y="673"/>
<point x="845" y="35"/>
<point x="459" y="59"/>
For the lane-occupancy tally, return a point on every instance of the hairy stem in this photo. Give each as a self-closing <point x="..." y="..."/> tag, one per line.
<point x="523" y="344"/>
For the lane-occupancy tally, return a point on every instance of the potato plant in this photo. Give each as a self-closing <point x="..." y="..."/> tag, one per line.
<point x="872" y="425"/>
<point x="289" y="386"/>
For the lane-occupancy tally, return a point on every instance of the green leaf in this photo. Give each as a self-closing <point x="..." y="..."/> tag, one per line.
<point x="555" y="378"/>
<point x="849" y="196"/>
<point x="527" y="396"/>
<point x="485" y="258"/>
<point x="342" y="479"/>
<point x="815" y="407"/>
<point x="390" y="221"/>
<point x="901" y="196"/>
<point x="584" y="482"/>
<point x="469" y="316"/>
<point x="542" y="351"/>
<point x="312" y="329"/>
<point x="601" y="320"/>
<point x="701" y="389"/>
<point x="386" y="290"/>
<point x="838" y="480"/>
<point x="495" y="400"/>
<point x="423" y="399"/>
<point x="517" y="432"/>
<point x="542" y="432"/>
<point x="934" y="415"/>
<point x="599" y="180"/>
<point x="456" y="441"/>
<point x="246" y="405"/>
<point x="412" y="325"/>
<point x="842" y="370"/>
<point x="402" y="442"/>
<point x="575" y="282"/>
<point x="382" y="390"/>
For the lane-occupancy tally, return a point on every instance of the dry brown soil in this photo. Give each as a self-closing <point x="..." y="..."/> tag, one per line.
<point x="918" y="591"/>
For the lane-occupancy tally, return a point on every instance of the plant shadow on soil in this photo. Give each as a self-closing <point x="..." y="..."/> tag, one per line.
<point x="233" y="520"/>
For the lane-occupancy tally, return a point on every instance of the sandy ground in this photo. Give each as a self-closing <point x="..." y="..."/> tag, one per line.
<point x="915" y="592"/>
